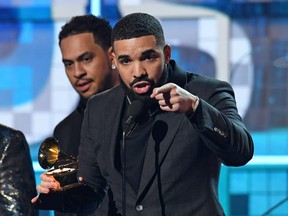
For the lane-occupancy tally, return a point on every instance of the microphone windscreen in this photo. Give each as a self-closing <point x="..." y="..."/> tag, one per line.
<point x="159" y="131"/>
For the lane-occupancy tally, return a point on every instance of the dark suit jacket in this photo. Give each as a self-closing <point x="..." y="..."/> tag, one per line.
<point x="183" y="158"/>
<point x="69" y="129"/>
<point x="67" y="132"/>
<point x="17" y="180"/>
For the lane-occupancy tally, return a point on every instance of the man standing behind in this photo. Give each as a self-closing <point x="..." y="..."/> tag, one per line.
<point x="173" y="159"/>
<point x="86" y="54"/>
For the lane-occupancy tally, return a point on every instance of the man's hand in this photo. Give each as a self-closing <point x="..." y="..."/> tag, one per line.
<point x="171" y="97"/>
<point x="48" y="183"/>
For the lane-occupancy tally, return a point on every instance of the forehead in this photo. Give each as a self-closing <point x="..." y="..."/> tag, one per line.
<point x="135" y="45"/>
<point x="78" y="41"/>
<point x="82" y="38"/>
<point x="77" y="44"/>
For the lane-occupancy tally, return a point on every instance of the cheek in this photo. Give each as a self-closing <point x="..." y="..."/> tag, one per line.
<point x="156" y="73"/>
<point x="70" y="77"/>
<point x="98" y="70"/>
<point x="126" y="78"/>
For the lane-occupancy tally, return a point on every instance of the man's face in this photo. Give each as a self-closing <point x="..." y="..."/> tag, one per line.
<point x="140" y="62"/>
<point x="87" y="65"/>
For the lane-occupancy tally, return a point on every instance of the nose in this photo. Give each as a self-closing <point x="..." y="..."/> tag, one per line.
<point x="138" y="70"/>
<point x="79" y="71"/>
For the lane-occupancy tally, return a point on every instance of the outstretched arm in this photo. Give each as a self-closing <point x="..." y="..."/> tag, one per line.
<point x="215" y="116"/>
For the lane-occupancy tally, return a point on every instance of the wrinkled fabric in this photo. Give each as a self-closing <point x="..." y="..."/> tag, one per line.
<point x="17" y="180"/>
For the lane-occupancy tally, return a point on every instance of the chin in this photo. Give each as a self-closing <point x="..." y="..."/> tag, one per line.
<point x="145" y="98"/>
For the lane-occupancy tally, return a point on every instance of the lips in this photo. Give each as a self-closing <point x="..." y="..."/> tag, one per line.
<point x="83" y="85"/>
<point x="141" y="87"/>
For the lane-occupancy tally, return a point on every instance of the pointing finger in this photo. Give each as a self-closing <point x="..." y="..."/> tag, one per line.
<point x="163" y="89"/>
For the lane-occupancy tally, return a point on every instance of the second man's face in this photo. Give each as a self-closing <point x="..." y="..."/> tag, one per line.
<point x="87" y="65"/>
<point x="140" y="62"/>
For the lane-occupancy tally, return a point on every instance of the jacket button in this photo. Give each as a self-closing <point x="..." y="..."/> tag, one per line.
<point x="139" y="208"/>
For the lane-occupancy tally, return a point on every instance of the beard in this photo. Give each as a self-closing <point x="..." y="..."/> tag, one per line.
<point x="145" y="98"/>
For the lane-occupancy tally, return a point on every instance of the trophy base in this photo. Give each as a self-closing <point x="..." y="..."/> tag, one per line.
<point x="67" y="198"/>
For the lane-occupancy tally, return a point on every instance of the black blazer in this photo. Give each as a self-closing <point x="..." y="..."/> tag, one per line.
<point x="181" y="170"/>
<point x="68" y="134"/>
<point x="68" y="131"/>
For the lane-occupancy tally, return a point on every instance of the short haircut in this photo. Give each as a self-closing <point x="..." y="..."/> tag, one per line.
<point x="137" y="25"/>
<point x="99" y="27"/>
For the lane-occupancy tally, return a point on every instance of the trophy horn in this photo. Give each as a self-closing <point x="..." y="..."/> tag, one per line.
<point x="49" y="153"/>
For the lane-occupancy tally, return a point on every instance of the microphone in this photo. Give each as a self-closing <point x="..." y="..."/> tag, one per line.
<point x="137" y="114"/>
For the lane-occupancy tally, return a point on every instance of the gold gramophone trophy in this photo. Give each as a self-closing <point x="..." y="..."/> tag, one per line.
<point x="71" y="191"/>
<point x="50" y="155"/>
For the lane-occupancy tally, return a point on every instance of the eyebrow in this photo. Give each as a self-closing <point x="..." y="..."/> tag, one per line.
<point x="79" y="58"/>
<point x="123" y="57"/>
<point x="149" y="52"/>
<point x="146" y="52"/>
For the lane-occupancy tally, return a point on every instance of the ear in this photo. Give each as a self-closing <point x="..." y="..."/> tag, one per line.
<point x="112" y="57"/>
<point x="167" y="53"/>
<point x="110" y="52"/>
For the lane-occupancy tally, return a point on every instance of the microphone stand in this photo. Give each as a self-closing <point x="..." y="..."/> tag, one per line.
<point x="134" y="111"/>
<point x="274" y="207"/>
<point x="123" y="162"/>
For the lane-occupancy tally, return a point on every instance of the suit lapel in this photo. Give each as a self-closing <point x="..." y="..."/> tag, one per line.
<point x="112" y="122"/>
<point x="111" y="138"/>
<point x="160" y="141"/>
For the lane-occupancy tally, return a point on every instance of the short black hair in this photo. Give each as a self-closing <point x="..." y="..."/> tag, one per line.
<point x="99" y="27"/>
<point x="137" y="25"/>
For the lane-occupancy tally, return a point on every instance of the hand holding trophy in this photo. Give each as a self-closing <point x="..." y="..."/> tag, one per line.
<point x="65" y="168"/>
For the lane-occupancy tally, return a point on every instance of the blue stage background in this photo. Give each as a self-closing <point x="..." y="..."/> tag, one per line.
<point x="243" y="42"/>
